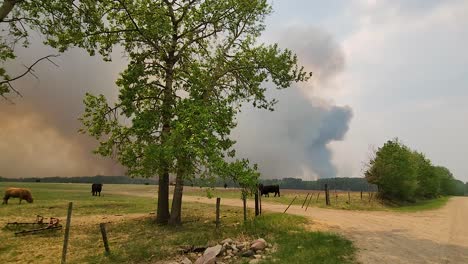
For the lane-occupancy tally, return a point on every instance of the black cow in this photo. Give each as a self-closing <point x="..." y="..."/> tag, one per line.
<point x="266" y="189"/>
<point x="96" y="188"/>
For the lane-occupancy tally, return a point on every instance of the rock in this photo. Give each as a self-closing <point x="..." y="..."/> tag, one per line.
<point x="234" y="248"/>
<point x="254" y="261"/>
<point x="186" y="261"/>
<point x="227" y="240"/>
<point x="258" y="252"/>
<point x="267" y="249"/>
<point x="226" y="245"/>
<point x="212" y="251"/>
<point x="269" y="245"/>
<point x="227" y="257"/>
<point x="264" y="257"/>
<point x="173" y="262"/>
<point x="247" y="253"/>
<point x="209" y="257"/>
<point x="258" y="244"/>
<point x="258" y="256"/>
<point x="229" y="251"/>
<point x="240" y="246"/>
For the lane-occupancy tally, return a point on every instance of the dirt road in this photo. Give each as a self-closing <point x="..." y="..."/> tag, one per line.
<point x="439" y="236"/>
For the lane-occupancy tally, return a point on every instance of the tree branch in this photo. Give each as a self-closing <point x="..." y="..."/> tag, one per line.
<point x="30" y="69"/>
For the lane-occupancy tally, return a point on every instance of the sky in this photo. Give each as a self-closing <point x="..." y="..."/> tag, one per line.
<point x="382" y="69"/>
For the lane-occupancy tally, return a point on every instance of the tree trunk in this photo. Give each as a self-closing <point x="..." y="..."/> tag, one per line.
<point x="163" y="194"/>
<point x="162" y="214"/>
<point x="6" y="8"/>
<point x="176" y="209"/>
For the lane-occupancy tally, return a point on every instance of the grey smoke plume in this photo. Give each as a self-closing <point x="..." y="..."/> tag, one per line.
<point x="39" y="134"/>
<point x="292" y="140"/>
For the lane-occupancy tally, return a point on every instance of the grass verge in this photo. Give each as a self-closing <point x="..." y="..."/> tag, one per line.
<point x="423" y="205"/>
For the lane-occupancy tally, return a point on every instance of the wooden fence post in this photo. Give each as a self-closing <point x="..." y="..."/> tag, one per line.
<point x="361" y="194"/>
<point x="102" y="226"/>
<point x="218" y="202"/>
<point x="260" y="203"/>
<point x="290" y="204"/>
<point x="318" y="195"/>
<point x="309" y="201"/>
<point x="256" y="204"/>
<point x="349" y="198"/>
<point x="244" y="201"/>
<point x="67" y="233"/>
<point x="327" y="195"/>
<point x="305" y="200"/>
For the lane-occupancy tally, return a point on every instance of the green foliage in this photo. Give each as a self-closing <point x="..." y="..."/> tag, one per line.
<point x="428" y="180"/>
<point x="191" y="65"/>
<point x="405" y="175"/>
<point x="394" y="172"/>
<point x="447" y="183"/>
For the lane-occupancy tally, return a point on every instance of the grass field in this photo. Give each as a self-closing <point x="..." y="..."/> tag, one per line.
<point x="338" y="199"/>
<point x="135" y="238"/>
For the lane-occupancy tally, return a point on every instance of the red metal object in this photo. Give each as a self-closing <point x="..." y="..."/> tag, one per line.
<point x="35" y="227"/>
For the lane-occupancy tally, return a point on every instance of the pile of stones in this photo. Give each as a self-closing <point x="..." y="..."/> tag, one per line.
<point x="229" y="251"/>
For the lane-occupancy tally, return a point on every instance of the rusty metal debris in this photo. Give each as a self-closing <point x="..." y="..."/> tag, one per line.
<point x="34" y="227"/>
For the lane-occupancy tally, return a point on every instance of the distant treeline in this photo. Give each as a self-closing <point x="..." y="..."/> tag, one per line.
<point x="85" y="179"/>
<point x="345" y="184"/>
<point x="352" y="184"/>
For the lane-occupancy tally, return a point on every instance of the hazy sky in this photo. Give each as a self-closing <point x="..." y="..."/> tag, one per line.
<point x="382" y="69"/>
<point x="405" y="75"/>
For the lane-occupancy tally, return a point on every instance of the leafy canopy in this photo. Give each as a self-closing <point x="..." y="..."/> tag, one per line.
<point x="191" y="66"/>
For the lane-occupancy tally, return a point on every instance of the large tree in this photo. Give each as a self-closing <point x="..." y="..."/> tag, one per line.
<point x="191" y="66"/>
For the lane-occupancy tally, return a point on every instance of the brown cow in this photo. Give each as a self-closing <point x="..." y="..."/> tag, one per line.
<point x="21" y="193"/>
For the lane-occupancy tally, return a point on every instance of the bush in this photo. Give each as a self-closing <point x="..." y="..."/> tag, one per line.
<point x="394" y="171"/>
<point x="403" y="175"/>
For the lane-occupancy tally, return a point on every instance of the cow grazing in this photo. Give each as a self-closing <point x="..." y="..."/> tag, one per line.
<point x="96" y="188"/>
<point x="21" y="193"/>
<point x="266" y="189"/>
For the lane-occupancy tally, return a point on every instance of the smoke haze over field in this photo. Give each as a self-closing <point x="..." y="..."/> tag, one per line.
<point x="382" y="69"/>
<point x="39" y="133"/>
